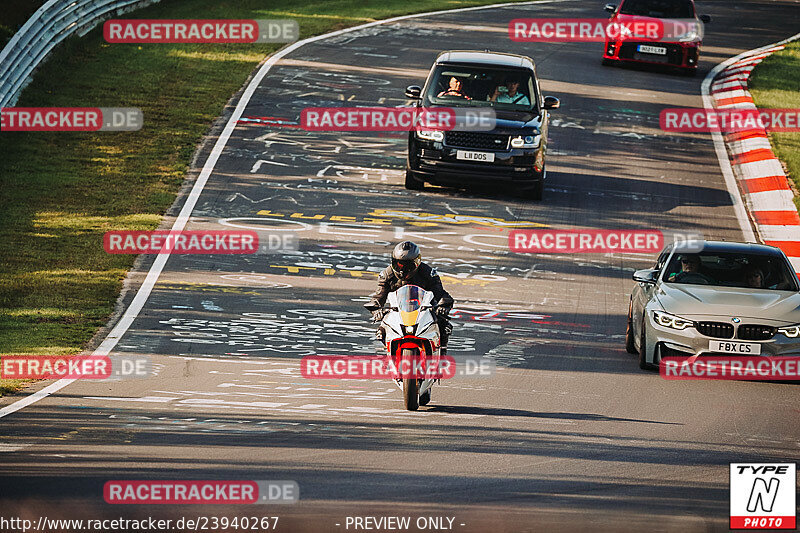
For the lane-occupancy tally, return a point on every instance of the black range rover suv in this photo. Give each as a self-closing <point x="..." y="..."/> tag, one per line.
<point x="513" y="153"/>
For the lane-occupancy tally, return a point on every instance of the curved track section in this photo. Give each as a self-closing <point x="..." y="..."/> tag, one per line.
<point x="569" y="434"/>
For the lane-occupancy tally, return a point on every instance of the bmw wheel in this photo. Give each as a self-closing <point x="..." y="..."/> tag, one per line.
<point x="643" y="364"/>
<point x="630" y="346"/>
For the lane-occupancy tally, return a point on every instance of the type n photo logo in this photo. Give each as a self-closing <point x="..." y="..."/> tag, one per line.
<point x="763" y="495"/>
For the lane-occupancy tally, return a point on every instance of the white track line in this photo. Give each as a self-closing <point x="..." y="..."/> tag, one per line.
<point x="144" y="291"/>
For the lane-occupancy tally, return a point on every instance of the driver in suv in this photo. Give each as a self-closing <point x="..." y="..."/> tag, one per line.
<point x="455" y="88"/>
<point x="512" y="154"/>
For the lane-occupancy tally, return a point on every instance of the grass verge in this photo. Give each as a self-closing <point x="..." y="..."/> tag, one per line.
<point x="8" y="386"/>
<point x="59" y="192"/>
<point x="775" y="83"/>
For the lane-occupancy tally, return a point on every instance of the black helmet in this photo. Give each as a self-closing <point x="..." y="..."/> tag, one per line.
<point x="406" y="258"/>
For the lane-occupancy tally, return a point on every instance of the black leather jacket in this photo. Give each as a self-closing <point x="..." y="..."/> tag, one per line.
<point x="425" y="277"/>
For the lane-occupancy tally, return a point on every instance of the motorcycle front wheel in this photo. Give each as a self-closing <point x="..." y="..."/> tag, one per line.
<point x="410" y="391"/>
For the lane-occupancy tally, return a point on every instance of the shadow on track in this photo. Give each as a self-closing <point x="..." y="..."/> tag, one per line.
<point x="490" y="411"/>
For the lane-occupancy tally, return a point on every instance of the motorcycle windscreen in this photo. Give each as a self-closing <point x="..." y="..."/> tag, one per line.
<point x="409" y="302"/>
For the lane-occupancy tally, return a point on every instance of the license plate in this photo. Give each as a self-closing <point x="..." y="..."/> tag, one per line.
<point x="739" y="348"/>
<point x="652" y="49"/>
<point x="488" y="157"/>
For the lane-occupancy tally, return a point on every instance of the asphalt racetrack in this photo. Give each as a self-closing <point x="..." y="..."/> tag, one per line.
<point x="568" y="435"/>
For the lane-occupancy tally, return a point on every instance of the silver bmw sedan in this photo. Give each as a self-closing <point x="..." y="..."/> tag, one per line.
<point x="718" y="298"/>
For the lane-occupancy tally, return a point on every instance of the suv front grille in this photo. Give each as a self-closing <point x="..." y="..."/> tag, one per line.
<point x="755" y="332"/>
<point x="474" y="139"/>
<point x="719" y="330"/>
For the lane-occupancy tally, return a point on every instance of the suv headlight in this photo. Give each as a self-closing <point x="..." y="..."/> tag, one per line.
<point x="790" y="331"/>
<point x="684" y="31"/>
<point x="431" y="135"/>
<point x="671" y="321"/>
<point x="528" y="141"/>
<point x="689" y="36"/>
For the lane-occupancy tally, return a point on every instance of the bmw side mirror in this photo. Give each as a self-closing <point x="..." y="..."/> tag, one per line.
<point x="413" y="92"/>
<point x="705" y="19"/>
<point x="551" y="102"/>
<point x="645" y="276"/>
<point x="610" y="7"/>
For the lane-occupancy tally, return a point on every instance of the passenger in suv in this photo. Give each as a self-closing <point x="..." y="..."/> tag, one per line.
<point x="513" y="153"/>
<point x="510" y="93"/>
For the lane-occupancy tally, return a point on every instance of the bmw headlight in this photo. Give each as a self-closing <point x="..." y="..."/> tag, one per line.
<point x="791" y="331"/>
<point x="671" y="321"/>
<point x="431" y="135"/>
<point x="528" y="141"/>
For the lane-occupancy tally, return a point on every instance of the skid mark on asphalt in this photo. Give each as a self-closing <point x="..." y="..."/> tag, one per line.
<point x="288" y="395"/>
<point x="297" y="333"/>
<point x="290" y="411"/>
<point x="233" y="425"/>
<point x="316" y="410"/>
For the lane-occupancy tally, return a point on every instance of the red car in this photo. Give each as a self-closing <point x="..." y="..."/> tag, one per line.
<point x="676" y="43"/>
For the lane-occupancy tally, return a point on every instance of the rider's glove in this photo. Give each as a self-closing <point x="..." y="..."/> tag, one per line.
<point x="377" y="315"/>
<point x="442" y="312"/>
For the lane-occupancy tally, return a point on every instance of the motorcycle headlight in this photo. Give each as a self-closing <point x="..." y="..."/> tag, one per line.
<point x="671" y="321"/>
<point x="431" y="135"/>
<point x="528" y="141"/>
<point x="791" y="331"/>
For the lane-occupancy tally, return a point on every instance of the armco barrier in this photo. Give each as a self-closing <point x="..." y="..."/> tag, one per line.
<point x="759" y="174"/>
<point x="51" y="24"/>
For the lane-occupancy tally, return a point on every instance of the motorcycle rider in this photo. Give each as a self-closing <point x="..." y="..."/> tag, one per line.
<point x="407" y="268"/>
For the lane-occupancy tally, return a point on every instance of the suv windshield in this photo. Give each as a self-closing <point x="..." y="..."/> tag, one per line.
<point x="662" y="9"/>
<point x="477" y="86"/>
<point x="753" y="271"/>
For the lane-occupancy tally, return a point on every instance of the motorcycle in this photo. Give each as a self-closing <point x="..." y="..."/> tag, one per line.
<point x="413" y="341"/>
